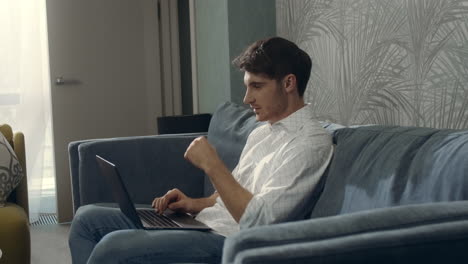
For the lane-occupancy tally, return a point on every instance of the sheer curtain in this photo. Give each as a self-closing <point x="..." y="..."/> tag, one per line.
<point x="25" y="94"/>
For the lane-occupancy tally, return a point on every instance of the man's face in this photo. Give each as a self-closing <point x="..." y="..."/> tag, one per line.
<point x="265" y="96"/>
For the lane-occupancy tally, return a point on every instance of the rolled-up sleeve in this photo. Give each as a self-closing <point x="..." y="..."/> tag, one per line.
<point x="291" y="175"/>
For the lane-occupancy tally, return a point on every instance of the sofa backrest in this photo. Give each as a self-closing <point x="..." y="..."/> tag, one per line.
<point x="229" y="129"/>
<point x="378" y="166"/>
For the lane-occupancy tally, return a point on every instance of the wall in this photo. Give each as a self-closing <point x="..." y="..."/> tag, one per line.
<point x="212" y="53"/>
<point x="185" y="59"/>
<point x="249" y="21"/>
<point x="383" y="62"/>
<point x="224" y="28"/>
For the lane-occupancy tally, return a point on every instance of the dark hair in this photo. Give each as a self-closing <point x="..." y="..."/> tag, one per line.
<point x="276" y="57"/>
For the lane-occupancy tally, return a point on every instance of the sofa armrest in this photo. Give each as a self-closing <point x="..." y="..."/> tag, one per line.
<point x="149" y="167"/>
<point x="405" y="234"/>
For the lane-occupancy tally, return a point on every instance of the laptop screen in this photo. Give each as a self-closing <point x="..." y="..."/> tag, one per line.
<point x="118" y="190"/>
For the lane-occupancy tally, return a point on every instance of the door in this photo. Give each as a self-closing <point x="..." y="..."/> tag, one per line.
<point x="105" y="72"/>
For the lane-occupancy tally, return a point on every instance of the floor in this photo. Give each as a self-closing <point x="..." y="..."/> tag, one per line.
<point x="49" y="240"/>
<point x="49" y="244"/>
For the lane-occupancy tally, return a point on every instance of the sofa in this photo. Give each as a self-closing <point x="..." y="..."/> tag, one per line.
<point x="15" y="240"/>
<point x="391" y="194"/>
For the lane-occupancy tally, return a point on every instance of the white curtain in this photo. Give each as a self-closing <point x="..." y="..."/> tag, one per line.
<point x="25" y="94"/>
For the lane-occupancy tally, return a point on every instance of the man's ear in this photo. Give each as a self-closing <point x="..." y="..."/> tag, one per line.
<point x="290" y="83"/>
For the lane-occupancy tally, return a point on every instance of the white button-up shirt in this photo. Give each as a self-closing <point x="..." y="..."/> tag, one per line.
<point x="280" y="165"/>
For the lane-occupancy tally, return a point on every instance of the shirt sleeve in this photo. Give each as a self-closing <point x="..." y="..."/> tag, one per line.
<point x="291" y="177"/>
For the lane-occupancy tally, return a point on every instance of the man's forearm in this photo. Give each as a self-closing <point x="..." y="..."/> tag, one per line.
<point x="202" y="203"/>
<point x="201" y="154"/>
<point x="235" y="197"/>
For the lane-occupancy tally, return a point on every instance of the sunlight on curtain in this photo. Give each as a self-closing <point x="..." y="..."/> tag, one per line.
<point x="25" y="94"/>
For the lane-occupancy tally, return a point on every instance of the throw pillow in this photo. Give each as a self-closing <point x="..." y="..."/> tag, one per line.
<point x="11" y="171"/>
<point x="229" y="128"/>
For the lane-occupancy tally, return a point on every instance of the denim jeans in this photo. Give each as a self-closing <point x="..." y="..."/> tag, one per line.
<point x="103" y="235"/>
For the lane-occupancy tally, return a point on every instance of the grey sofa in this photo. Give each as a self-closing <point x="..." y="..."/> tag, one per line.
<point x="390" y="194"/>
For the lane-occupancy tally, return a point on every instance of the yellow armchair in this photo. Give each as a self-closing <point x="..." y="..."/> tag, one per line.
<point x="15" y="241"/>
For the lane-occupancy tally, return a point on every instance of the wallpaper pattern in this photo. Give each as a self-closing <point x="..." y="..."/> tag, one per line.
<point x="398" y="62"/>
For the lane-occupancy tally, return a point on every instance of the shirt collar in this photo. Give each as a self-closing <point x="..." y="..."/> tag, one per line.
<point x="294" y="121"/>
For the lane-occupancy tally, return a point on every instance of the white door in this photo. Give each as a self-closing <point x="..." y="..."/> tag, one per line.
<point x="105" y="72"/>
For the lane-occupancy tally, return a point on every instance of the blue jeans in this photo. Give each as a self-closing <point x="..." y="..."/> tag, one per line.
<point x="103" y="235"/>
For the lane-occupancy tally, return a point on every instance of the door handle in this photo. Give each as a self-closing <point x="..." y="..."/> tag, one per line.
<point x="62" y="81"/>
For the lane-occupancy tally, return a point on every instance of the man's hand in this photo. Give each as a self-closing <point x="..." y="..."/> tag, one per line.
<point x="177" y="201"/>
<point x="201" y="154"/>
<point x="174" y="200"/>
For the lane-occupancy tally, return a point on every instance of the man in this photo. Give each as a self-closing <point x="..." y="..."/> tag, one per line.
<point x="280" y="165"/>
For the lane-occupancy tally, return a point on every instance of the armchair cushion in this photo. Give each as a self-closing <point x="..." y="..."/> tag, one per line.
<point x="11" y="171"/>
<point x="14" y="234"/>
<point x="14" y="224"/>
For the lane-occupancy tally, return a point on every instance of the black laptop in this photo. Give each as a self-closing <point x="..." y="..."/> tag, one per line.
<point x="145" y="218"/>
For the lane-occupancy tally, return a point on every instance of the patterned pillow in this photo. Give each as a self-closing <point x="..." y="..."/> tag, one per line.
<point x="11" y="171"/>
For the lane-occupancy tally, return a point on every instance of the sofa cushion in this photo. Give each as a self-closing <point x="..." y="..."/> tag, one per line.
<point x="11" y="171"/>
<point x="378" y="166"/>
<point x="402" y="234"/>
<point x="229" y="129"/>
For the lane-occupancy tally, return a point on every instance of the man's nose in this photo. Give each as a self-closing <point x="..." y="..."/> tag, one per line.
<point x="248" y="98"/>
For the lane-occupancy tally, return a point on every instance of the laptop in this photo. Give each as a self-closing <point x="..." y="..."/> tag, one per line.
<point x="145" y="218"/>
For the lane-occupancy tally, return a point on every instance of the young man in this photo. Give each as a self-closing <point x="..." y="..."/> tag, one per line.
<point x="280" y="165"/>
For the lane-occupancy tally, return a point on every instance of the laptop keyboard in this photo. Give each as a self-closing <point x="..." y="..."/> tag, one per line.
<point x="155" y="219"/>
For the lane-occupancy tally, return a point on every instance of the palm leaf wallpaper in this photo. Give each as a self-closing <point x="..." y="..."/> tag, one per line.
<point x="398" y="62"/>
